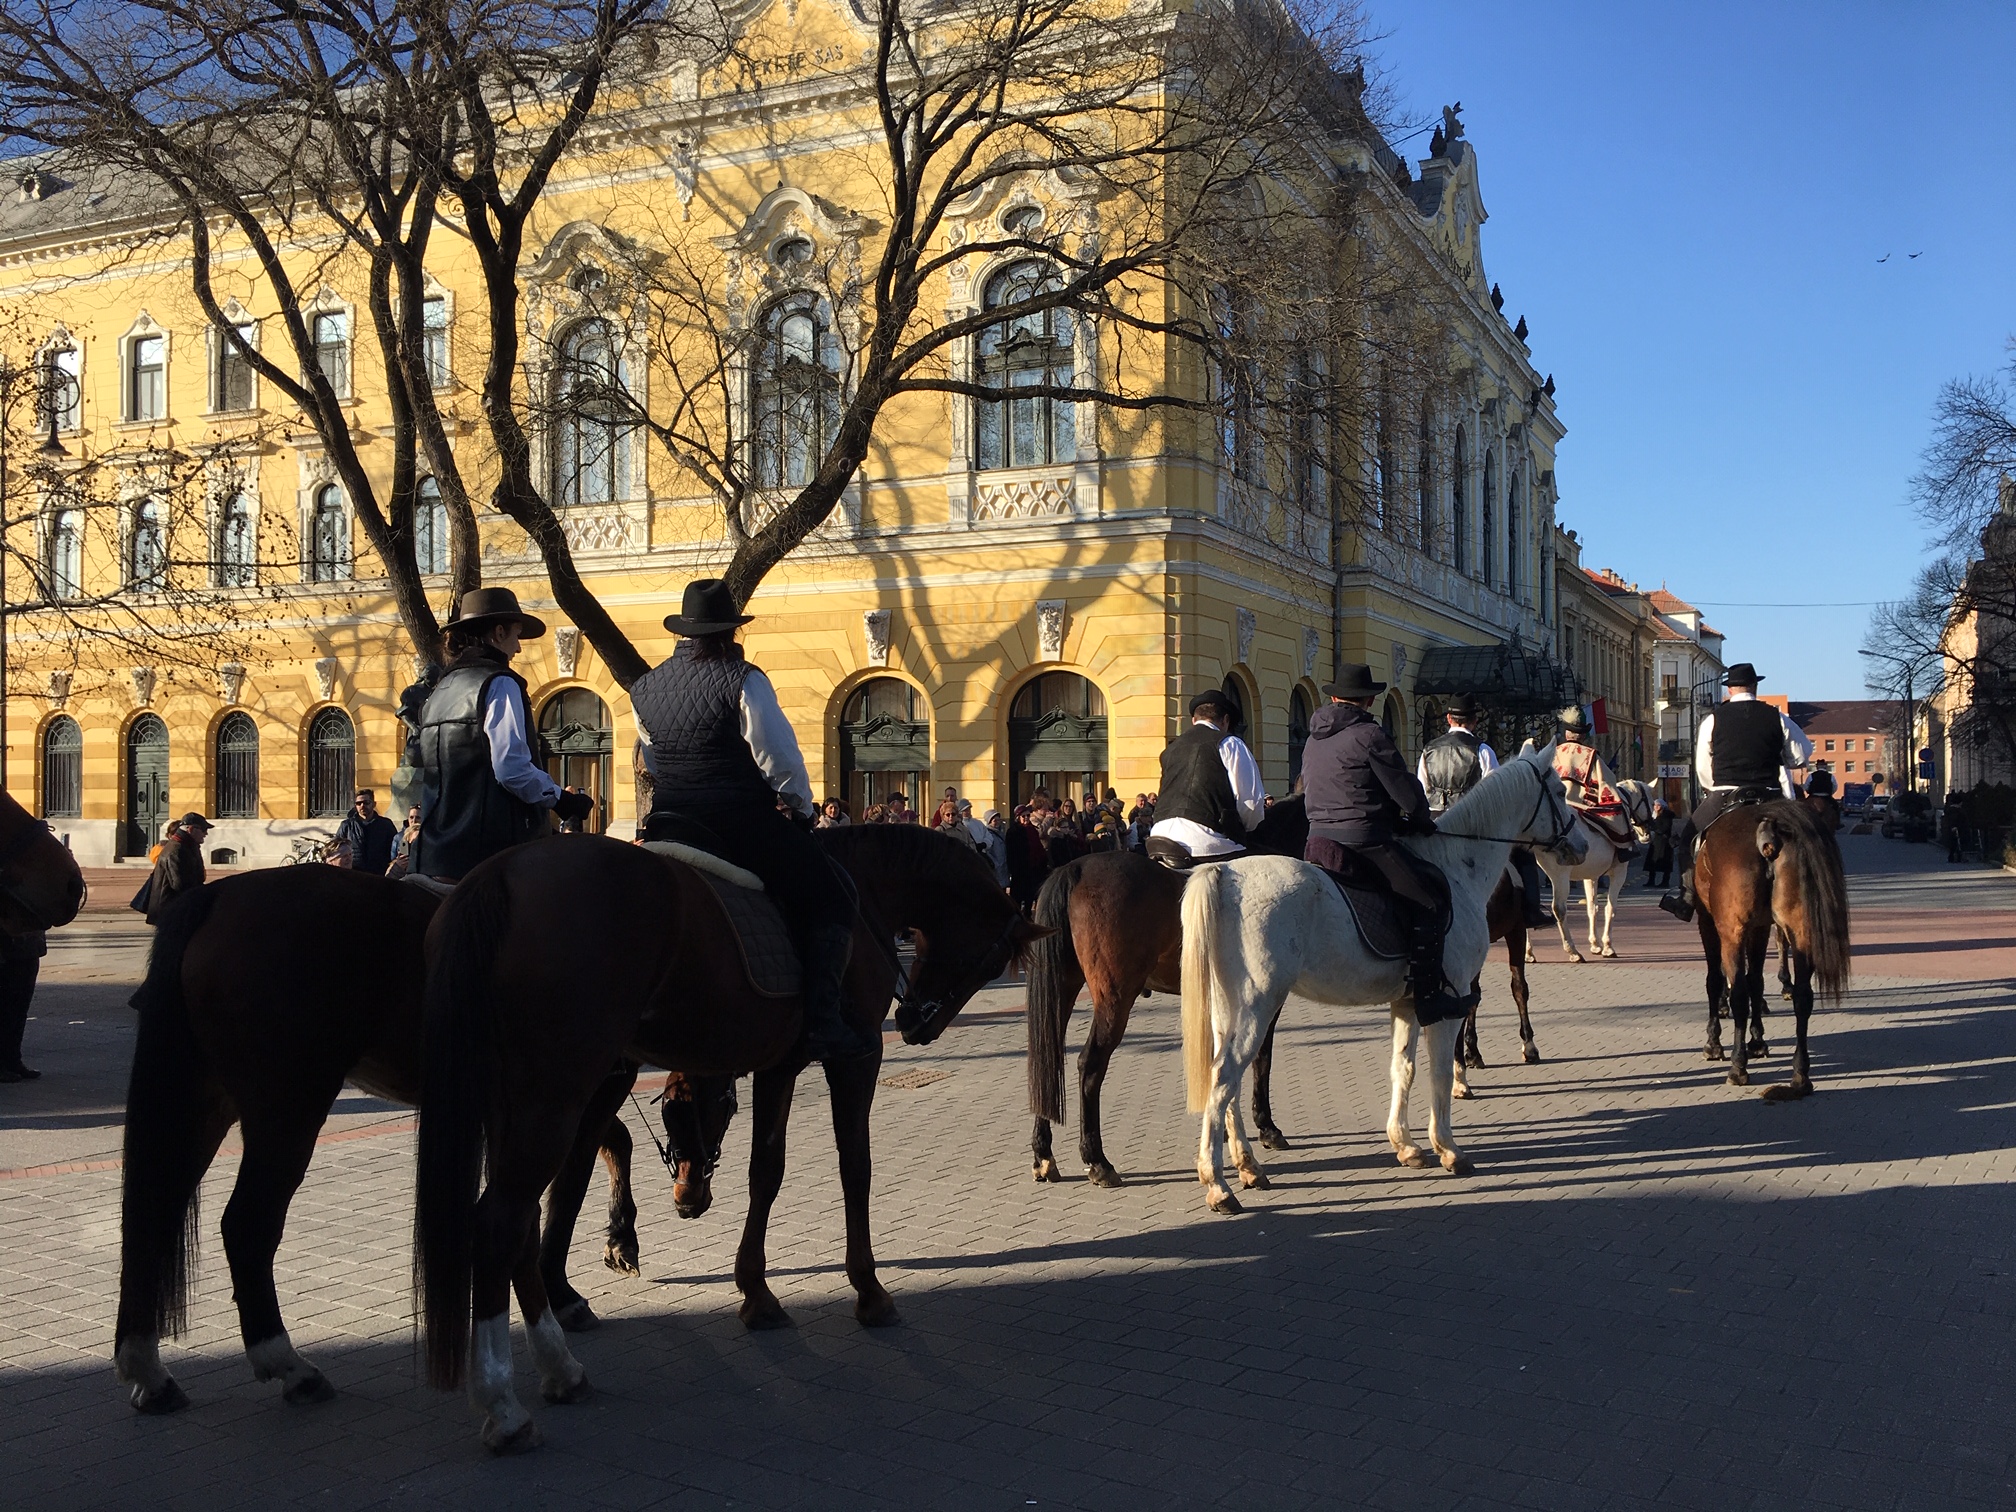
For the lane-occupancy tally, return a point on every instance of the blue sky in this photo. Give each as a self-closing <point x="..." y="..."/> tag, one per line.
<point x="1688" y="204"/>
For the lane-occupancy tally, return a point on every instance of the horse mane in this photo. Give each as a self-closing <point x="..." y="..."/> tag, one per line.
<point x="1494" y="808"/>
<point x="925" y="853"/>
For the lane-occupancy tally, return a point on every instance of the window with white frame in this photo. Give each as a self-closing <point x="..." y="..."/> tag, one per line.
<point x="328" y="537"/>
<point x="62" y="388"/>
<point x="591" y="455"/>
<point x="434" y="340"/>
<point x="63" y="555"/>
<point x="147" y="545"/>
<point x="1236" y="385"/>
<point x="794" y="391"/>
<point x="237" y="555"/>
<point x="233" y="387"/>
<point x="331" y="329"/>
<point x="147" y="378"/>
<point x="1031" y="350"/>
<point x="430" y="528"/>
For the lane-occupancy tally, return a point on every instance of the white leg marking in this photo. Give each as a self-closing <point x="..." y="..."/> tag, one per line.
<point x="1405" y="1031"/>
<point x="559" y="1372"/>
<point x="1441" y="1073"/>
<point x="274" y="1359"/>
<point x="138" y="1363"/>
<point x="490" y="1390"/>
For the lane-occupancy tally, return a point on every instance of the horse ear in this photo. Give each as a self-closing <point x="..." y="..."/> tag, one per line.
<point x="1026" y="933"/>
<point x="1528" y="748"/>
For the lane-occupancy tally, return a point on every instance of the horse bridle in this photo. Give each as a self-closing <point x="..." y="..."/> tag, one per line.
<point x="675" y="1147"/>
<point x="8" y="887"/>
<point x="912" y="1019"/>
<point x="1563" y="820"/>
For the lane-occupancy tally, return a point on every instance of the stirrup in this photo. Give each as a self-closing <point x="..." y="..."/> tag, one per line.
<point x="1678" y="904"/>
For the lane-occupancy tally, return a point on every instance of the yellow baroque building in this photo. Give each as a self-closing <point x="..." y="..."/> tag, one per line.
<point x="982" y="614"/>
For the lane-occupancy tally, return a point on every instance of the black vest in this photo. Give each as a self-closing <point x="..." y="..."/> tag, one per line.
<point x="1453" y="767"/>
<point x="465" y="815"/>
<point x="693" y="710"/>
<point x="1195" y="784"/>
<point x="1746" y="749"/>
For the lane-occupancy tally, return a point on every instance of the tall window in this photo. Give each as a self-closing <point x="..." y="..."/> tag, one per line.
<point x="795" y="395"/>
<point x="1305" y="431"/>
<point x="147" y="378"/>
<point x="332" y="764"/>
<point x="1515" y="498"/>
<point x="62" y="388"/>
<point x="1459" y="506"/>
<point x="63" y="564"/>
<point x="1489" y="515"/>
<point x="147" y="545"/>
<point x="591" y="461"/>
<point x="1299" y="715"/>
<point x="328" y="537"/>
<point x="580" y="741"/>
<point x="1382" y="469"/>
<point x="237" y="542"/>
<point x="62" y="769"/>
<point x="1235" y="385"/>
<point x="237" y="767"/>
<point x="1032" y="350"/>
<point x="430" y="528"/>
<point x="434" y="339"/>
<point x="332" y="349"/>
<point x="234" y="372"/>
<point x="1424" y="487"/>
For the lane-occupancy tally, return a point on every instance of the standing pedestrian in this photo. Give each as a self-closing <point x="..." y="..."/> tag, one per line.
<point x="402" y="848"/>
<point x="832" y="815"/>
<point x="20" y="963"/>
<point x="367" y="835"/>
<point x="1028" y="864"/>
<point x="180" y="868"/>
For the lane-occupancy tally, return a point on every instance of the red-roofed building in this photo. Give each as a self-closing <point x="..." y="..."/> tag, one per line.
<point x="1687" y="660"/>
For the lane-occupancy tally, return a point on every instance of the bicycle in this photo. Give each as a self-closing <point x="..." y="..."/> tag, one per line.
<point x="308" y="851"/>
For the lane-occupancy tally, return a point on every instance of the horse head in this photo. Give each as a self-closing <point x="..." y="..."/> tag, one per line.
<point x="40" y="885"/>
<point x="952" y="964"/>
<point x="698" y="1110"/>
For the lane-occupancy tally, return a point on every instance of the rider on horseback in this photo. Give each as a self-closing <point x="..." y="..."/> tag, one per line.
<point x="1211" y="793"/>
<point x="1584" y="779"/>
<point x="1820" y="783"/>
<point x="481" y="791"/>
<point x="1360" y="795"/>
<point x="1455" y="762"/>
<point x="1745" y="753"/>
<point x="725" y="767"/>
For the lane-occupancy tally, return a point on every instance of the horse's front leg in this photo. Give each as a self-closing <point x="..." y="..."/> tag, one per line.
<point x="1110" y="1012"/>
<point x="851" y="1088"/>
<point x="1801" y="1084"/>
<point x="1516" y="956"/>
<point x="1717" y="985"/>
<point x="1441" y="1039"/>
<point x="1559" y="888"/>
<point x="1406" y="1032"/>
<point x="1467" y="1028"/>
<point x="771" y="1098"/>
<point x="1271" y="1137"/>
<point x="619" y="1245"/>
<point x="1592" y="899"/>
<point x="569" y="1190"/>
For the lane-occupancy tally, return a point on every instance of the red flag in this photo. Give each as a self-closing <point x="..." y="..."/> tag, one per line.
<point x="1599" y="716"/>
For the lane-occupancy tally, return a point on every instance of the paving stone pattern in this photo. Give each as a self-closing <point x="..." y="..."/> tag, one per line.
<point x="1657" y="1290"/>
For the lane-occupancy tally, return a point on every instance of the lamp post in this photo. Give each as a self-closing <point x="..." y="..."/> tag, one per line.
<point x="51" y="389"/>
<point x="1909" y="664"/>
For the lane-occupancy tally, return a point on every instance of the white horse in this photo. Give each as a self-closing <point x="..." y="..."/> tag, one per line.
<point x="1259" y="928"/>
<point x="1602" y="857"/>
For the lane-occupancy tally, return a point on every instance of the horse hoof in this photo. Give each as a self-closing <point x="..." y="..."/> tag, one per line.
<point x="1472" y="1061"/>
<point x="759" y="1316"/>
<point x="1100" y="1174"/>
<point x="169" y="1398"/>
<point x="1255" y="1181"/>
<point x="879" y="1313"/>
<point x="576" y="1316"/>
<point x="1274" y="1139"/>
<point x="622" y="1259"/>
<point x="1413" y="1159"/>
<point x="1758" y="1047"/>
<point x="1738" y="1078"/>
<point x="1577" y="958"/>
<point x="563" y="1394"/>
<point x="525" y="1436"/>
<point x="1791" y="1093"/>
<point x="1462" y="1165"/>
<point x="309" y="1390"/>
<point x="1716" y="1052"/>
<point x="1462" y="1092"/>
<point x="1225" y="1202"/>
<point x="1046" y="1170"/>
<point x="1530" y="1054"/>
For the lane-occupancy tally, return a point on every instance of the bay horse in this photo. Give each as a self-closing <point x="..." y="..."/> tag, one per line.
<point x="1605" y="857"/>
<point x="554" y="959"/>
<point x="1119" y="929"/>
<point x="41" y="887"/>
<point x="1256" y="930"/>
<point x="1762" y="866"/>
<point x="1506" y="916"/>
<point x="1827" y="809"/>
<point x="248" y="1015"/>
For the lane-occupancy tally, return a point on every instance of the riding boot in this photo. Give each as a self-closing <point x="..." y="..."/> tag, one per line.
<point x="1680" y="901"/>
<point x="1529" y="884"/>
<point x="823" y="954"/>
<point x="1433" y="999"/>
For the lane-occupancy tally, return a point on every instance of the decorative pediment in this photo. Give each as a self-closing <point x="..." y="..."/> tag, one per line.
<point x="584" y="245"/>
<point x="787" y="212"/>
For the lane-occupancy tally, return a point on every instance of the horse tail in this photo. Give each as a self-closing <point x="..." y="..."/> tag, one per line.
<point x="1201" y="914"/>
<point x="168" y="1107"/>
<point x="1054" y="980"/>
<point x="1793" y="838"/>
<point x="455" y="1094"/>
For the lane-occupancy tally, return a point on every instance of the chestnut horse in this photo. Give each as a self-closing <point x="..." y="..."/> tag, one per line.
<point x="553" y="960"/>
<point x="247" y="1016"/>
<point x="1760" y="866"/>
<point x="40" y="885"/>
<point x="1119" y="928"/>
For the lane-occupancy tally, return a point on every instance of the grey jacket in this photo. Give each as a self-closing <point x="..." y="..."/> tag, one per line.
<point x="1358" y="788"/>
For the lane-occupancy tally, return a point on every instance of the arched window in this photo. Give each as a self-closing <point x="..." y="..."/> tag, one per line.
<point x="1236" y="384"/>
<point x="1031" y="350"/>
<point x="885" y="746"/>
<point x="1241" y="722"/>
<point x="237" y="767"/>
<point x="591" y="460"/>
<point x="1459" y="506"/>
<point x="328" y="537"/>
<point x="147" y="545"/>
<point x="63" y="566"/>
<point x="62" y="390"/>
<point x="794" y="393"/>
<point x="237" y="542"/>
<point x="1489" y="516"/>
<point x="62" y="769"/>
<point x="1057" y="738"/>
<point x="1515" y="499"/>
<point x="332" y="764"/>
<point x="580" y="742"/>
<point x="1392" y="717"/>
<point x="1424" y="485"/>
<point x="1299" y="715"/>
<point x="430" y="528"/>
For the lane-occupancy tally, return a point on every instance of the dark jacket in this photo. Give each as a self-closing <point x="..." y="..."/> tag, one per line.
<point x="1195" y="785"/>
<point x="179" y="870"/>
<point x="1358" y="788"/>
<point x="1454" y="767"/>
<point x="693" y="709"/>
<point x="370" y="843"/>
<point x="466" y="815"/>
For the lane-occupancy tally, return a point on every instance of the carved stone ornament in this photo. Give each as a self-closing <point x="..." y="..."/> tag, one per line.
<point x="1309" y="644"/>
<point x="59" y="689"/>
<point x="875" y="630"/>
<point x="231" y="681"/>
<point x="567" y="649"/>
<point x="143" y="686"/>
<point x="1050" y="629"/>
<point x="685" y="174"/>
<point x="1249" y="626"/>
<point x="325" y="677"/>
<point x="1025" y="499"/>
<point x="1399" y="662"/>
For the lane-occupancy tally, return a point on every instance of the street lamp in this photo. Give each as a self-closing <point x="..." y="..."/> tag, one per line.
<point x="52" y="391"/>
<point x="1910" y="667"/>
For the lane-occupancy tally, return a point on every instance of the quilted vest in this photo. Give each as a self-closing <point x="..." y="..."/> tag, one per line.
<point x="693" y="710"/>
<point x="1195" y="784"/>
<point x="1453" y="767"/>
<point x="465" y="815"/>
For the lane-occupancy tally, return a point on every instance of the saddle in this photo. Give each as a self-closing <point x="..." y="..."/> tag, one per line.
<point x="1612" y="823"/>
<point x="1384" y="922"/>
<point x="757" y="924"/>
<point x="1177" y="856"/>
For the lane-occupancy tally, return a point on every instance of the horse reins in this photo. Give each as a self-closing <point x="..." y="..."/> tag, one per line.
<point x="1539" y="797"/>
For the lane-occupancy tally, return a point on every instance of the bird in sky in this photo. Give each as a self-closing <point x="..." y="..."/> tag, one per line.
<point x="1884" y="258"/>
<point x="1917" y="254"/>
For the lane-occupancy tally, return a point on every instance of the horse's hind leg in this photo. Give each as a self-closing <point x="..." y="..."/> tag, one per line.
<point x="570" y="1189"/>
<point x="619" y="1247"/>
<point x="1406" y="1034"/>
<point x="1717" y="984"/>
<point x="1559" y="891"/>
<point x="851" y="1087"/>
<point x="1529" y="1051"/>
<point x="1467" y="1029"/>
<point x="1109" y="1025"/>
<point x="1243" y="1052"/>
<point x="562" y="1378"/>
<point x="1441" y="1039"/>
<point x="1271" y="1137"/>
<point x="1801" y="1084"/>
<point x="771" y="1111"/>
<point x="1736" y="971"/>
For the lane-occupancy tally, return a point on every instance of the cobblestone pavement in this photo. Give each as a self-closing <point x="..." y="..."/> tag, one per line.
<point x="1659" y="1289"/>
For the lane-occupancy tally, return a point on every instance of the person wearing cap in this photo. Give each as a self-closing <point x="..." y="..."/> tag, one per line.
<point x="1360" y="795"/>
<point x="1211" y="789"/>
<point x="726" y="770"/>
<point x="1585" y="781"/>
<point x="480" y="789"/>
<point x="1455" y="762"/>
<point x="180" y="867"/>
<point x="1745" y="752"/>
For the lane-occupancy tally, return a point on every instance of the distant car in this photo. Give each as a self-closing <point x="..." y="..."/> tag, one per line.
<point x="1878" y="808"/>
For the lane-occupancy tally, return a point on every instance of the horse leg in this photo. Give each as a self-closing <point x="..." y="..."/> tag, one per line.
<point x="1529" y="1052"/>
<point x="562" y="1378"/>
<point x="1406" y="1032"/>
<point x="279" y="1143"/>
<point x="1441" y="1040"/>
<point x="1736" y="969"/>
<point x="1711" y="949"/>
<point x="1558" y="889"/>
<point x="851" y="1089"/>
<point x="771" y="1096"/>
<point x="1468" y="1026"/>
<point x="1211" y="1143"/>
<point x="619" y="1249"/>
<point x="1801" y="1084"/>
<point x="1109" y="1024"/>
<point x="1472" y="1054"/>
<point x="1785" y="967"/>
<point x="1043" y="1156"/>
<point x="564" y="1199"/>
<point x="1592" y="899"/>
<point x="1617" y="874"/>
<point x="1244" y="1052"/>
<point x="1271" y="1137"/>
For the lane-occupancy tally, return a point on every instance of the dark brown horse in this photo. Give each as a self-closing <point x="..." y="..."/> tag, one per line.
<point x="1827" y="809"/>
<point x="1762" y="866"/>
<point x="40" y="885"/>
<point x="1117" y="917"/>
<point x="264" y="993"/>
<point x="553" y="960"/>
<point x="1506" y="913"/>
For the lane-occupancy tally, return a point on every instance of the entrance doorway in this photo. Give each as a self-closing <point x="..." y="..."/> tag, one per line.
<point x="146" y="805"/>
<point x="1057" y="738"/>
<point x="580" y="741"/>
<point x="885" y="747"/>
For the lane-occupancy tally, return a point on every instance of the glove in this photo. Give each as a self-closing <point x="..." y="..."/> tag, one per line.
<point x="799" y="817"/>
<point x="574" y="806"/>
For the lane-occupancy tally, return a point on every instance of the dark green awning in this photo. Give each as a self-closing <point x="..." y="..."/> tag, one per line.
<point x="1503" y="675"/>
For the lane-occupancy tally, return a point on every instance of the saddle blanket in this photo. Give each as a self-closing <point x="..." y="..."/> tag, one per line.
<point x="1377" y="917"/>
<point x="1610" y="823"/>
<point x="759" y="928"/>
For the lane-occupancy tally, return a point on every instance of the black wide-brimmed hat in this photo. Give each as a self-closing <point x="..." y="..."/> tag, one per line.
<point x="1464" y="706"/>
<point x="484" y="607"/>
<point x="707" y="609"/>
<point x="1213" y="698"/>
<point x="1742" y="675"/>
<point x="1354" y="680"/>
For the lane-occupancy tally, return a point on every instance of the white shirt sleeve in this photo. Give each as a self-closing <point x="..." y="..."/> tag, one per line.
<point x="1244" y="771"/>
<point x="1704" y="761"/>
<point x="511" y="762"/>
<point x="773" y="743"/>
<point x="1487" y="759"/>
<point x="1798" y="751"/>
